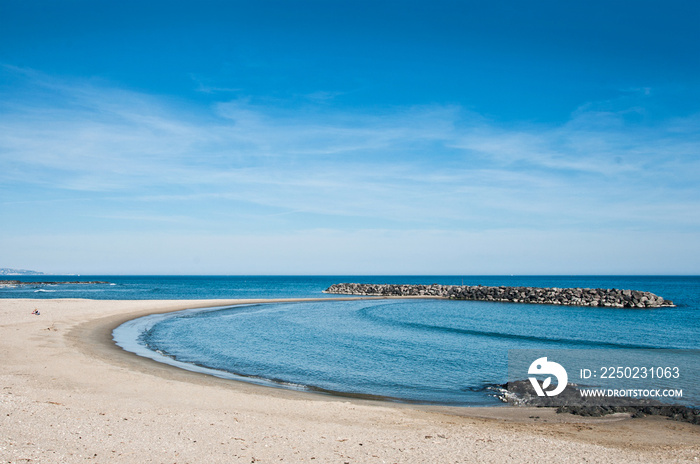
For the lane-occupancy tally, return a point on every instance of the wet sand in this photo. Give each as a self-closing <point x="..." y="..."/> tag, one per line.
<point x="69" y="394"/>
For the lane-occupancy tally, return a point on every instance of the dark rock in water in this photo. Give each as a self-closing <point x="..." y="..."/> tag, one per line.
<point x="521" y="393"/>
<point x="559" y="296"/>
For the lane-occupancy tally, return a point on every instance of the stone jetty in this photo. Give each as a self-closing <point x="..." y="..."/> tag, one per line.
<point x="609" y="298"/>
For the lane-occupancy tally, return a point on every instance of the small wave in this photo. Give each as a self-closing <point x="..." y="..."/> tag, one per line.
<point x="44" y="290"/>
<point x="484" y="387"/>
<point x="366" y="312"/>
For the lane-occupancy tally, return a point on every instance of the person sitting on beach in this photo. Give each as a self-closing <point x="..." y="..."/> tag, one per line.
<point x="36" y="312"/>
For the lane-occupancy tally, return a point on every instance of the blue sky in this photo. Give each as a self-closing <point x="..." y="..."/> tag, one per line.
<point x="364" y="137"/>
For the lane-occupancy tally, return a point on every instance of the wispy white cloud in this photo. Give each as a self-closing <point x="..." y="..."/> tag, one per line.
<point x="238" y="163"/>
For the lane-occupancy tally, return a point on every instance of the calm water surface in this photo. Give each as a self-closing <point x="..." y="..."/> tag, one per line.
<point x="430" y="351"/>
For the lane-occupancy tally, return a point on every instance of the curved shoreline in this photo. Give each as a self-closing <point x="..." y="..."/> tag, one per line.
<point x="127" y="336"/>
<point x="100" y="343"/>
<point x="68" y="393"/>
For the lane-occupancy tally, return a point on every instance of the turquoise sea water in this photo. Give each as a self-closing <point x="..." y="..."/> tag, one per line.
<point x="432" y="351"/>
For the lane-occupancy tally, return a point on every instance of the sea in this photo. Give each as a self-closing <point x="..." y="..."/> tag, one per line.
<point x="411" y="350"/>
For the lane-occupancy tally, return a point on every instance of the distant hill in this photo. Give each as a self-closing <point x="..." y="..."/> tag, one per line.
<point x="8" y="271"/>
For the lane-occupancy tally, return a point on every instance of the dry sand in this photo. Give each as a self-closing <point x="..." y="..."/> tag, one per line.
<point x="68" y="394"/>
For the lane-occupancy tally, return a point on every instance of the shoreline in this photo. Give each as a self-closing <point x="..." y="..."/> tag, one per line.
<point x="126" y="338"/>
<point x="69" y="393"/>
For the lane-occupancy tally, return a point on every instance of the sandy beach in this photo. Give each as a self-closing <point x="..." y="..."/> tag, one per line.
<point x="68" y="394"/>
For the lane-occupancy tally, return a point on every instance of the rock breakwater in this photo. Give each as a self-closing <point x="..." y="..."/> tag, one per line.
<point x="612" y="298"/>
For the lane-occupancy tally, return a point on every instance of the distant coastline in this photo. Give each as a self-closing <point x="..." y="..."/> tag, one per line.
<point x="6" y="283"/>
<point x="18" y="272"/>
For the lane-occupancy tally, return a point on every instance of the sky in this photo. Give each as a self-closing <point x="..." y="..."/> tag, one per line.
<point x="364" y="137"/>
